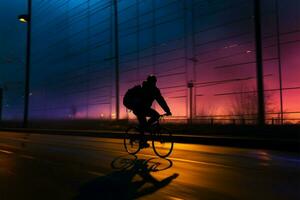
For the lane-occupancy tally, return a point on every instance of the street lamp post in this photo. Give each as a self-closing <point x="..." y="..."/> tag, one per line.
<point x="190" y="85"/>
<point x="279" y="60"/>
<point x="1" y="100"/>
<point x="26" y="18"/>
<point x="259" y="63"/>
<point x="116" y="34"/>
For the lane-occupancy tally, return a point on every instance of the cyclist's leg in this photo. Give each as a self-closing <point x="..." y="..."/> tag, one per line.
<point x="154" y="116"/>
<point x="142" y="121"/>
<point x="141" y="116"/>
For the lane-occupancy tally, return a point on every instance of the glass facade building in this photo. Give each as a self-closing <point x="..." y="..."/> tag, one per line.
<point x="77" y="46"/>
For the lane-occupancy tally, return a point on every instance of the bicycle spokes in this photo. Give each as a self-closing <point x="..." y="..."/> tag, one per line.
<point x="162" y="143"/>
<point x="132" y="140"/>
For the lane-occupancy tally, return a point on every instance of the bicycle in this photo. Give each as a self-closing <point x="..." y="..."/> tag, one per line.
<point x="162" y="142"/>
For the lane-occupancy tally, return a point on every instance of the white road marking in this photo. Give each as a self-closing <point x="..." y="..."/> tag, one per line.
<point x="175" y="198"/>
<point x="189" y="161"/>
<point x="7" y="152"/>
<point x="96" y="173"/>
<point x="28" y="157"/>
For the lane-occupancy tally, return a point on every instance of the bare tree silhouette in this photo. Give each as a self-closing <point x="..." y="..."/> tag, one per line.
<point x="244" y="105"/>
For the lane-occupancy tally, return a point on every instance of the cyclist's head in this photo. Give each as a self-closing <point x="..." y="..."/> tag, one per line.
<point x="151" y="79"/>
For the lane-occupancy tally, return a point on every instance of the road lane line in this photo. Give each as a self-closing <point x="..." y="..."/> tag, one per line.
<point x="190" y="161"/>
<point x="28" y="157"/>
<point x="7" y="152"/>
<point x="96" y="173"/>
<point x="193" y="161"/>
<point x="175" y="198"/>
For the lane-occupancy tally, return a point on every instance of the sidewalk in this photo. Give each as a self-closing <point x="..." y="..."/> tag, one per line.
<point x="292" y="145"/>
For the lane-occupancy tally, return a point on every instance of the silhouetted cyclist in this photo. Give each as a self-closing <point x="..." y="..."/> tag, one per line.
<point x="139" y="99"/>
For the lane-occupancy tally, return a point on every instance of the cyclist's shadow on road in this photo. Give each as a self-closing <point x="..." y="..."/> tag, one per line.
<point x="132" y="179"/>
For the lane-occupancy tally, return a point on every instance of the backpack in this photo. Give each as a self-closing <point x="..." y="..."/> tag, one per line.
<point x="132" y="97"/>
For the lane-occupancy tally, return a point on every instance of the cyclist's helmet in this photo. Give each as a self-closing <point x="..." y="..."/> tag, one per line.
<point x="152" y="79"/>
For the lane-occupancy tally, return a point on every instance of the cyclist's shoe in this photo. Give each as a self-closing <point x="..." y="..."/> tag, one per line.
<point x="144" y="144"/>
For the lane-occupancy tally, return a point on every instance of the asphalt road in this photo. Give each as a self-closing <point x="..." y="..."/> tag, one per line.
<point x="36" y="166"/>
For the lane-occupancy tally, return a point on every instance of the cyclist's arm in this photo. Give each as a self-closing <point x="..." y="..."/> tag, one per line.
<point x="162" y="102"/>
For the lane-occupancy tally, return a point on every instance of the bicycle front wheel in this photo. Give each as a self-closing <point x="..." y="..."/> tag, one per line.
<point x="132" y="140"/>
<point x="163" y="143"/>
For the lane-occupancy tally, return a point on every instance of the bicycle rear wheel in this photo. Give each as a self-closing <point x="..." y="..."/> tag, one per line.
<point x="162" y="143"/>
<point x="132" y="140"/>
